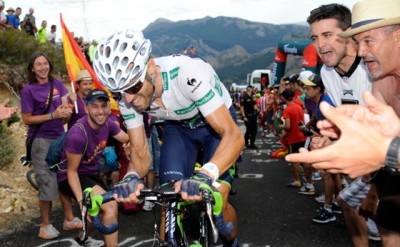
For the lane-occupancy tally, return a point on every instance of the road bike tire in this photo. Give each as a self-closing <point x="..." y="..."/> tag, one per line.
<point x="207" y="239"/>
<point x="31" y="177"/>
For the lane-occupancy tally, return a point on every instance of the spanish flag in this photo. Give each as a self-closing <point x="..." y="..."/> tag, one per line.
<point x="75" y="61"/>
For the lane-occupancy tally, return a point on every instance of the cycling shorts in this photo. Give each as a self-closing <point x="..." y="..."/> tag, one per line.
<point x="180" y="147"/>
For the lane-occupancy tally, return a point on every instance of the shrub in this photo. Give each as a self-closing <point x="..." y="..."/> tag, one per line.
<point x="16" y="47"/>
<point x="7" y="147"/>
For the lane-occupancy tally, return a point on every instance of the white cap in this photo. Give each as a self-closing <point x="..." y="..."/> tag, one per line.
<point x="304" y="74"/>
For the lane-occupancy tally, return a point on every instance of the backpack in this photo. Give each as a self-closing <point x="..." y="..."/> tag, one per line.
<point x="54" y="154"/>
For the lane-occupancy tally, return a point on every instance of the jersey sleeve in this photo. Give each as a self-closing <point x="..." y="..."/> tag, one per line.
<point x="200" y="84"/>
<point x="132" y="118"/>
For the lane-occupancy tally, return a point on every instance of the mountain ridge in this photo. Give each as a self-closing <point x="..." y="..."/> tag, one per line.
<point x="233" y="46"/>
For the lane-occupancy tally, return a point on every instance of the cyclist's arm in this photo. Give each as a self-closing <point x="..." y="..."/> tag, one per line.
<point x="232" y="140"/>
<point x="140" y="157"/>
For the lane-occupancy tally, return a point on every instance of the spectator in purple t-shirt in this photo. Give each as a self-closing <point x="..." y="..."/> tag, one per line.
<point x="83" y="146"/>
<point x="48" y="125"/>
<point x="84" y="84"/>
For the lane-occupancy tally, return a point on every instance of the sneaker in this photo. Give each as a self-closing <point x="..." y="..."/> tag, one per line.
<point x="48" y="232"/>
<point x="324" y="216"/>
<point x="320" y="198"/>
<point x="76" y="223"/>
<point x="336" y="209"/>
<point x="316" y="176"/>
<point x="148" y="206"/>
<point x="373" y="233"/>
<point x="374" y="236"/>
<point x="292" y="183"/>
<point x="89" y="242"/>
<point x="307" y="191"/>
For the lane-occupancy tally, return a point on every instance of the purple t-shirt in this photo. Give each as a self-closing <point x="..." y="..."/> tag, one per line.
<point x="81" y="112"/>
<point x="96" y="140"/>
<point x="34" y="98"/>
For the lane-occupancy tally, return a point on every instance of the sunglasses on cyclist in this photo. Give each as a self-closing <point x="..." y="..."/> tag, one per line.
<point x="135" y="89"/>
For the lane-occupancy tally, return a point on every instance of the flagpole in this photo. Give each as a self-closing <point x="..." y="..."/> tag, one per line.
<point x="76" y="101"/>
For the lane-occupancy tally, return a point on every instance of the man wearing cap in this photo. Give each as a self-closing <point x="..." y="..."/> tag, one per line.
<point x="83" y="86"/>
<point x="90" y="134"/>
<point x="10" y="18"/>
<point x="376" y="29"/>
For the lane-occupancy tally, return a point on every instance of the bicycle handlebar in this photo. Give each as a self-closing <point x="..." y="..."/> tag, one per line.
<point x="93" y="203"/>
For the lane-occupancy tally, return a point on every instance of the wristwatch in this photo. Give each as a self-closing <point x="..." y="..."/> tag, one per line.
<point x="392" y="157"/>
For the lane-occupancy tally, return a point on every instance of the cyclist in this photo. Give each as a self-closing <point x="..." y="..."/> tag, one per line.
<point x="198" y="112"/>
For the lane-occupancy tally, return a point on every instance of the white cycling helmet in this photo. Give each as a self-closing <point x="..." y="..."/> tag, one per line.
<point x="120" y="61"/>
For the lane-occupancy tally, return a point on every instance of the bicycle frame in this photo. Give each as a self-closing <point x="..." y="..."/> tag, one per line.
<point x="171" y="231"/>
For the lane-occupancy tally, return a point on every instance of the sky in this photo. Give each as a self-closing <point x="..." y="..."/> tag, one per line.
<point x="97" y="19"/>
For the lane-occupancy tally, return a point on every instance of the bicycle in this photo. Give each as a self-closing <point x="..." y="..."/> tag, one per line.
<point x="30" y="174"/>
<point x="176" y="227"/>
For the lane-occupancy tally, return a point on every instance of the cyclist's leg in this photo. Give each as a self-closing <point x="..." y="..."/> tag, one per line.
<point x="178" y="154"/>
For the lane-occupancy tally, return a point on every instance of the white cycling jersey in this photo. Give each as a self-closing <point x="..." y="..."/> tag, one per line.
<point x="347" y="89"/>
<point x="191" y="86"/>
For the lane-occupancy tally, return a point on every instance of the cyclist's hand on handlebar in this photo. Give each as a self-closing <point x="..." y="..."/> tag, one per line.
<point x="190" y="189"/>
<point x="128" y="190"/>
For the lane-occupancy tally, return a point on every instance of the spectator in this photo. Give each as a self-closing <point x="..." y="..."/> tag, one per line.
<point x="6" y="111"/>
<point x="249" y="112"/>
<point x="10" y="18"/>
<point x="377" y="41"/>
<point x="334" y="19"/>
<point x="51" y="37"/>
<point x="81" y="169"/>
<point x="292" y="115"/>
<point x="92" y="48"/>
<point x="42" y="33"/>
<point x="45" y="126"/>
<point x="83" y="86"/>
<point x="29" y="23"/>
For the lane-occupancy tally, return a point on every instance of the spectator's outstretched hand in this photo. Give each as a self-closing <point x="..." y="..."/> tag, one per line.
<point x="6" y="112"/>
<point x="363" y="141"/>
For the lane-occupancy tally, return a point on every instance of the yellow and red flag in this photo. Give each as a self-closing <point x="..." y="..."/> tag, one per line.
<point x="76" y="61"/>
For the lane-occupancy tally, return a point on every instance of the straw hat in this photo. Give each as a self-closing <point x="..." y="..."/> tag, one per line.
<point x="83" y="75"/>
<point x="371" y="14"/>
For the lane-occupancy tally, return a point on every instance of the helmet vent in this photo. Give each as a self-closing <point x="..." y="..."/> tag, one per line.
<point x="142" y="51"/>
<point x="124" y="61"/>
<point x="123" y="47"/>
<point x="136" y="46"/>
<point x="112" y="82"/>
<point x="107" y="52"/>
<point x="118" y="75"/>
<point x="116" y="43"/>
<point x="115" y="62"/>
<point x="108" y="69"/>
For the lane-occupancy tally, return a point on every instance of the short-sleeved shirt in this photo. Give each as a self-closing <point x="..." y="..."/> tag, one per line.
<point x="41" y="35"/>
<point x="295" y="113"/>
<point x="347" y="88"/>
<point x="248" y="103"/>
<point x="191" y="88"/>
<point x="34" y="99"/>
<point x="96" y="140"/>
<point x="81" y="112"/>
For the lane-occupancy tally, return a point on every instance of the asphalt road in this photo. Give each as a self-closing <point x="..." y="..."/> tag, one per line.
<point x="269" y="213"/>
